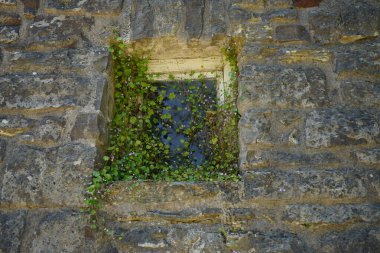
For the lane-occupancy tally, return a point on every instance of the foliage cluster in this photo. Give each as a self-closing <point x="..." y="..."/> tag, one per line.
<point x="139" y="139"/>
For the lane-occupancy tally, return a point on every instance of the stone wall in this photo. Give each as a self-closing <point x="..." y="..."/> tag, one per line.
<point x="309" y="96"/>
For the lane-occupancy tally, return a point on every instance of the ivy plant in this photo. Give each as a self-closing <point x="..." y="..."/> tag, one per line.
<point x="144" y="122"/>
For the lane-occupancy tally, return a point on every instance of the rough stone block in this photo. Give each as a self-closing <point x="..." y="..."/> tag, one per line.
<point x="255" y="159"/>
<point x="47" y="131"/>
<point x="8" y="2"/>
<point x="282" y="16"/>
<point x="90" y="126"/>
<point x="93" y="6"/>
<point x="12" y="224"/>
<point x="282" y="87"/>
<point x="271" y="241"/>
<point x="164" y="18"/>
<point x="285" y="33"/>
<point x="73" y="59"/>
<point x="344" y="21"/>
<point x="358" y="60"/>
<point x="163" y="238"/>
<point x="337" y="214"/>
<point x="191" y="215"/>
<point x="55" y="231"/>
<point x="3" y="149"/>
<point x="368" y="156"/>
<point x="337" y="127"/>
<point x="259" y="32"/>
<point x="8" y="34"/>
<point x="309" y="183"/>
<point x="194" y="18"/>
<point x="57" y="31"/>
<point x="50" y="176"/>
<point x="351" y="241"/>
<point x="10" y="19"/>
<point x="31" y="6"/>
<point x="360" y="93"/>
<point x="258" y="127"/>
<point x="46" y="90"/>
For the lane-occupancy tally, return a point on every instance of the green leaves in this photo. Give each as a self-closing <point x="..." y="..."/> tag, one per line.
<point x="137" y="151"/>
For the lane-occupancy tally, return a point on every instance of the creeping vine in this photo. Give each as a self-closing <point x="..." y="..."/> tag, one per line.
<point x="145" y="122"/>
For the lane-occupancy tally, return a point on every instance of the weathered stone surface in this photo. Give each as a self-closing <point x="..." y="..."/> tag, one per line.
<point x="50" y="176"/>
<point x="192" y="215"/>
<point x="164" y="18"/>
<point x="89" y="126"/>
<point x="337" y="214"/>
<point x="262" y="158"/>
<point x="196" y="194"/>
<point x="73" y="59"/>
<point x="46" y="90"/>
<point x="360" y="94"/>
<point x="55" y="231"/>
<point x="361" y="60"/>
<point x="271" y="127"/>
<point x="338" y="127"/>
<point x="273" y="241"/>
<point x="59" y="31"/>
<point x="93" y="6"/>
<point x="31" y="6"/>
<point x="194" y="18"/>
<point x="368" y="156"/>
<point x="344" y="21"/>
<point x="282" y="87"/>
<point x="284" y="33"/>
<point x="351" y="241"/>
<point x="281" y="16"/>
<point x="48" y="131"/>
<point x="8" y="33"/>
<point x="10" y="19"/>
<point x="3" y="149"/>
<point x="309" y="183"/>
<point x="12" y="224"/>
<point x="8" y="2"/>
<point x="176" y="238"/>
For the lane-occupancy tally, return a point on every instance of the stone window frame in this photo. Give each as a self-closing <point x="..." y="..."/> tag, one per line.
<point x="216" y="68"/>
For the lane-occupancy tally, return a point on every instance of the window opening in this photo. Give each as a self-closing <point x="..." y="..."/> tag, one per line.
<point x="188" y="108"/>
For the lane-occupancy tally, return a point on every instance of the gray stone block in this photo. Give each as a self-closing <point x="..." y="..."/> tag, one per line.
<point x="52" y="176"/>
<point x="55" y="231"/>
<point x="284" y="33"/>
<point x="93" y="6"/>
<point x="45" y="90"/>
<point x="263" y="158"/>
<point x="282" y="87"/>
<point x="12" y="225"/>
<point x="368" y="156"/>
<point x="339" y="127"/>
<point x="75" y="59"/>
<point x="310" y="214"/>
<point x="57" y="31"/>
<point x="344" y="21"/>
<point x="270" y="241"/>
<point x="3" y="149"/>
<point x="354" y="240"/>
<point x="360" y="94"/>
<point x="90" y="126"/>
<point x="309" y="183"/>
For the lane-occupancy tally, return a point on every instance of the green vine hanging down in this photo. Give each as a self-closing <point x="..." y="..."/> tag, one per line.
<point x="140" y="132"/>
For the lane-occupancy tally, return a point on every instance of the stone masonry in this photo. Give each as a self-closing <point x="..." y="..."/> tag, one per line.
<point x="309" y="99"/>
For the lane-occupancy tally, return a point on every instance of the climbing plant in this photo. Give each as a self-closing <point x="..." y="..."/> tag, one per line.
<point x="144" y="123"/>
